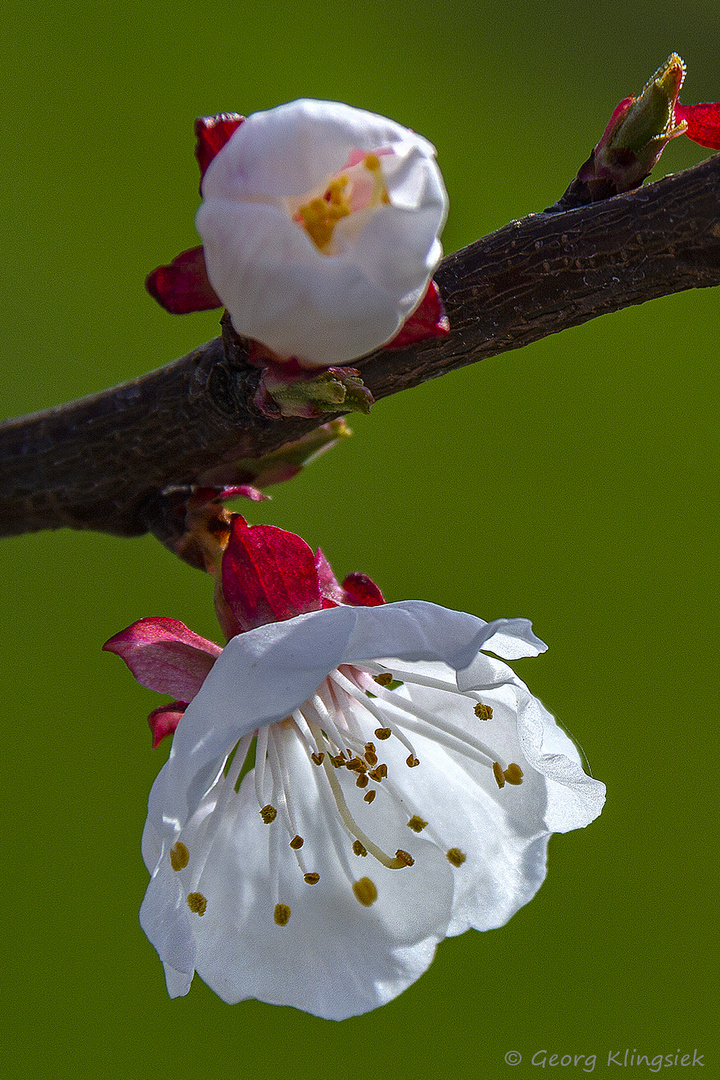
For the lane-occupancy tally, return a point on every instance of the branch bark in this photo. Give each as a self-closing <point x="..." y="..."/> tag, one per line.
<point x="103" y="462"/>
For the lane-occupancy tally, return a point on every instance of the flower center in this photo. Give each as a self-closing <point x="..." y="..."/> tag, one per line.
<point x="359" y="187"/>
<point x="337" y="730"/>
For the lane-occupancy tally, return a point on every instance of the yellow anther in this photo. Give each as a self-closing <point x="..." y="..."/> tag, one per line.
<point x="383" y="679"/>
<point x="404" y="857"/>
<point x="281" y="914"/>
<point x="320" y="216"/>
<point x="370" y="796"/>
<point x="356" y="765"/>
<point x="498" y="774"/>
<point x="383" y="733"/>
<point x="379" y="773"/>
<point x="362" y="780"/>
<point x="179" y="856"/>
<point x="318" y="758"/>
<point x="513" y="774"/>
<point x="370" y="755"/>
<point x="359" y="849"/>
<point x="416" y="823"/>
<point x="311" y="879"/>
<point x="365" y="891"/>
<point x="338" y="760"/>
<point x="268" y="813"/>
<point x="197" y="903"/>
<point x="411" y="761"/>
<point x="483" y="712"/>
<point x="372" y="162"/>
<point x="455" y="856"/>
<point x="296" y="842"/>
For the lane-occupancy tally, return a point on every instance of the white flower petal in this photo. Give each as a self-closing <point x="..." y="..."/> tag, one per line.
<point x="290" y="150"/>
<point x="335" y="958"/>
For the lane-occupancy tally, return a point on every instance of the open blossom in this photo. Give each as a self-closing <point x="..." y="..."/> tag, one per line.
<point x="320" y="227"/>
<point x="404" y="788"/>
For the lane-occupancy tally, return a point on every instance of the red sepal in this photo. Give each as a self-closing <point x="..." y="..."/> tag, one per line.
<point x="212" y="133"/>
<point x="357" y="589"/>
<point x="428" y="320"/>
<point x="361" y="591"/>
<point x="268" y="575"/>
<point x="165" y="719"/>
<point x="703" y="122"/>
<point x="183" y="285"/>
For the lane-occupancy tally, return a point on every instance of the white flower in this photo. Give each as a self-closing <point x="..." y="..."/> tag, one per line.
<point x="320" y="229"/>
<point x="325" y="884"/>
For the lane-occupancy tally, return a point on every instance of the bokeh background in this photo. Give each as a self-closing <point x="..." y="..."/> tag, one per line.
<point x="574" y="482"/>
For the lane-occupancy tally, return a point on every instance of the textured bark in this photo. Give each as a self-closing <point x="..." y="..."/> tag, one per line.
<point x="104" y="461"/>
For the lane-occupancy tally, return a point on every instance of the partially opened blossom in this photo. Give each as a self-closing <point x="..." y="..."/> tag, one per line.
<point x="404" y="788"/>
<point x="320" y="227"/>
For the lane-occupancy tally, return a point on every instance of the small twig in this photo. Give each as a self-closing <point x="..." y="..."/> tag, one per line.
<point x="103" y="462"/>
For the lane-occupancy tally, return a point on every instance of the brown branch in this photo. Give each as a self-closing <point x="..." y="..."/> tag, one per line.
<point x="102" y="462"/>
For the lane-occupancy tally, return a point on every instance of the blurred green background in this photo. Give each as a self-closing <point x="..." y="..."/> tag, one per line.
<point x="573" y="482"/>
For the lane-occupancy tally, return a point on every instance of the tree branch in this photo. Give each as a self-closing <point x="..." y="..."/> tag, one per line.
<point x="103" y="462"/>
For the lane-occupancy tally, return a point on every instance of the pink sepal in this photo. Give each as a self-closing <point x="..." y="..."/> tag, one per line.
<point x="165" y="719"/>
<point x="268" y="575"/>
<point x="703" y="122"/>
<point x="212" y="133"/>
<point x="428" y="320"/>
<point x="164" y="655"/>
<point x="183" y="285"/>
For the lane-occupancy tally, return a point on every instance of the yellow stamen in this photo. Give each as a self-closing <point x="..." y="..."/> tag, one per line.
<point x="513" y="774"/>
<point x="383" y="679"/>
<point x="197" y="903"/>
<point x="356" y="765"/>
<point x="416" y="824"/>
<point x="411" y="761"/>
<point x="179" y="856"/>
<point x="311" y="879"/>
<point x="320" y="216"/>
<point x="498" y="774"/>
<point x="370" y="796"/>
<point x="383" y="733"/>
<point x="281" y="914"/>
<point x="483" y="712"/>
<point x="404" y="857"/>
<point x="318" y="758"/>
<point x="358" y="848"/>
<point x="455" y="856"/>
<point x="365" y="891"/>
<point x="268" y="814"/>
<point x="296" y="843"/>
<point x="362" y="781"/>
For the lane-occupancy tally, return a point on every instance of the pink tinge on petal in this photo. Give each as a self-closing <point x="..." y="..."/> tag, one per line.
<point x="268" y="575"/>
<point x="205" y="495"/>
<point x="428" y="320"/>
<point x="165" y="719"/>
<point x="212" y="133"/>
<point x="183" y="285"/>
<point x="361" y="591"/>
<point x="703" y="122"/>
<point x="165" y="656"/>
